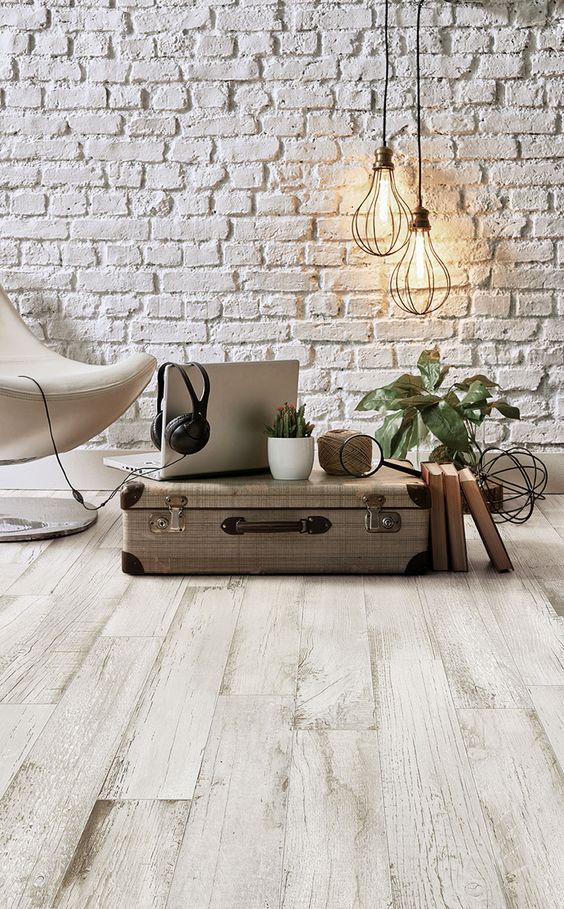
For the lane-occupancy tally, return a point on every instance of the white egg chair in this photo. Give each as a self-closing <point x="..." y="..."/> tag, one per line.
<point x="83" y="400"/>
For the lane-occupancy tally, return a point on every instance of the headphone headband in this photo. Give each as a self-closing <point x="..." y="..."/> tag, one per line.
<point x="200" y="405"/>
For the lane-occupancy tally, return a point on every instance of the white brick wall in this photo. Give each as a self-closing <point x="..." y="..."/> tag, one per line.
<point x="179" y="178"/>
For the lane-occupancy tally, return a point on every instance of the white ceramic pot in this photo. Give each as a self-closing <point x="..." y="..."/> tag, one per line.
<point x="291" y="459"/>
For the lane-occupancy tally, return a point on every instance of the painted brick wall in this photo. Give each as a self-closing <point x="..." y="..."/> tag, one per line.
<point x="179" y="178"/>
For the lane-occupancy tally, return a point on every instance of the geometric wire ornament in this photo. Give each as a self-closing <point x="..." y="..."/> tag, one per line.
<point x="519" y="478"/>
<point x="420" y="282"/>
<point x="381" y="222"/>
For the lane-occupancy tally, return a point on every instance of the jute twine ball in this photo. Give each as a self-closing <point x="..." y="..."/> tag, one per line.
<point x="358" y="453"/>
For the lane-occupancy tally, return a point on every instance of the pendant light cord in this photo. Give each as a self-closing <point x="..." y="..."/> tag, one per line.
<point x="418" y="78"/>
<point x="387" y="72"/>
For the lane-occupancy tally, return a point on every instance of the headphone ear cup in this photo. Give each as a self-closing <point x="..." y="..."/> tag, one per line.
<point x="188" y="433"/>
<point x="157" y="430"/>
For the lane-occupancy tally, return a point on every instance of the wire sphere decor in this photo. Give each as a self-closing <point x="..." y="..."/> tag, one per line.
<point x="519" y="478"/>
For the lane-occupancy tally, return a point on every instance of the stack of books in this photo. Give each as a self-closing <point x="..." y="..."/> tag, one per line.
<point x="449" y="487"/>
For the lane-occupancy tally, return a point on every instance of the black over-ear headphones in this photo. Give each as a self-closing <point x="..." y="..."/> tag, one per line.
<point x="189" y="432"/>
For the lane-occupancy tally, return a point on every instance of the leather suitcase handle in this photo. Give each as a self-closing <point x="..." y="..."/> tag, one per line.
<point x="314" y="524"/>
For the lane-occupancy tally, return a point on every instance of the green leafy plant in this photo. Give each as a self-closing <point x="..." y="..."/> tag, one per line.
<point x="417" y="407"/>
<point x="290" y="423"/>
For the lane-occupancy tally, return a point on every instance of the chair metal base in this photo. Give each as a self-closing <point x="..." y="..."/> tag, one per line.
<point x="40" y="519"/>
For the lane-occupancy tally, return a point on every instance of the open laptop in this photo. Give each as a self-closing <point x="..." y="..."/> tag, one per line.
<point x="243" y="400"/>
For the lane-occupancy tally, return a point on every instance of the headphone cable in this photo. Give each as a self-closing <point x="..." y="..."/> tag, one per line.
<point x="76" y="494"/>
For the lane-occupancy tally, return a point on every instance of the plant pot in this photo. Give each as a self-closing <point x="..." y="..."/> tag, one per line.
<point x="291" y="459"/>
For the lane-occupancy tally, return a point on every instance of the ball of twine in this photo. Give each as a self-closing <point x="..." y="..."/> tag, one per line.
<point x="358" y="456"/>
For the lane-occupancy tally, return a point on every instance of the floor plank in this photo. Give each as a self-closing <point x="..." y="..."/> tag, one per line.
<point x="45" y="808"/>
<point x="438" y="842"/>
<point x="16" y="558"/>
<point x="548" y="702"/>
<point x="125" y="857"/>
<point x="336" y="853"/>
<point x="522" y="791"/>
<point x="54" y="563"/>
<point x="334" y="678"/>
<point x="43" y="641"/>
<point x="532" y="630"/>
<point x="19" y="727"/>
<point x="265" y="649"/>
<point x="147" y="607"/>
<point x="397" y="626"/>
<point x="479" y="667"/>
<point x="161" y="752"/>
<point x="231" y="855"/>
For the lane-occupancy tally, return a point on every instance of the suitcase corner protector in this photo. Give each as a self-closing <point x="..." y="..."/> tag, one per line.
<point x="131" y="493"/>
<point x="420" y="494"/>
<point x="419" y="563"/>
<point x="130" y="564"/>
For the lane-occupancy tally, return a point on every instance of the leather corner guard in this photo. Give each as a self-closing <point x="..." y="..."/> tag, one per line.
<point x="131" y="493"/>
<point x="130" y="564"/>
<point x="418" y="564"/>
<point x="419" y="494"/>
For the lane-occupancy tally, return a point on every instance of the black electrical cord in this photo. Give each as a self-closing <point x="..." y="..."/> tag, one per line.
<point x="387" y="72"/>
<point x="76" y="494"/>
<point x="418" y="79"/>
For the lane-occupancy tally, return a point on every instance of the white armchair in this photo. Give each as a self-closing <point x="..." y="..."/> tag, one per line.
<point x="83" y="400"/>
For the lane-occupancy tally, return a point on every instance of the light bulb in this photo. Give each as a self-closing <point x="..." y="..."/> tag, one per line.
<point x="381" y="223"/>
<point x="420" y="281"/>
<point x="383" y="213"/>
<point x="419" y="256"/>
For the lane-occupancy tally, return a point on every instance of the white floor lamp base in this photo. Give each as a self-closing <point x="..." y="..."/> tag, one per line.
<point x="41" y="519"/>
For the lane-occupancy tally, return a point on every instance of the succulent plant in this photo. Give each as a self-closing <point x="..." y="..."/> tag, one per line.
<point x="290" y="423"/>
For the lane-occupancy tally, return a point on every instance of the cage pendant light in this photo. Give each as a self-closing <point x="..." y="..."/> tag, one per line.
<point x="381" y="223"/>
<point x="420" y="282"/>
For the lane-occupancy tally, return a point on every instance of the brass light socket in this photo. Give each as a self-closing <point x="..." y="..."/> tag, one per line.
<point x="421" y="219"/>
<point x="383" y="157"/>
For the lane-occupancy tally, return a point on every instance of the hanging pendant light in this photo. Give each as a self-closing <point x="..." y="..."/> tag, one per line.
<point x="380" y="224"/>
<point x="420" y="282"/>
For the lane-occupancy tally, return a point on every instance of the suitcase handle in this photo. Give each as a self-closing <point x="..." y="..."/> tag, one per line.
<point x="314" y="524"/>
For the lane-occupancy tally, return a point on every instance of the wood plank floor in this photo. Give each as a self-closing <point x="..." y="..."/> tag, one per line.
<point x="281" y="743"/>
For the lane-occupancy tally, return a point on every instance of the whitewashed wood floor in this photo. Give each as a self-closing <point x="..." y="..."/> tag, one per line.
<point x="330" y="743"/>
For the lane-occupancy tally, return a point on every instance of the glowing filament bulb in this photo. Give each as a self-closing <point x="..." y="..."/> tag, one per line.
<point x="381" y="222"/>
<point x="419" y="257"/>
<point x="384" y="215"/>
<point x="420" y="281"/>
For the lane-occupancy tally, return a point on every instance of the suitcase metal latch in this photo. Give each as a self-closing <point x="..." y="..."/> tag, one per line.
<point x="174" y="521"/>
<point x="378" y="521"/>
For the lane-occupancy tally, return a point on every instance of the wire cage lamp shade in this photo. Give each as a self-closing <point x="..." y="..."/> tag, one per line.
<point x="381" y="222"/>
<point x="420" y="282"/>
<point x="380" y="225"/>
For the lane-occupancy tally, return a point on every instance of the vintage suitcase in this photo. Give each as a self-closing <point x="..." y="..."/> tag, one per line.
<point x="257" y="525"/>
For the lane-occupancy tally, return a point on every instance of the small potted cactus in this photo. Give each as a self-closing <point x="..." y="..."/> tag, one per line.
<point x="290" y="444"/>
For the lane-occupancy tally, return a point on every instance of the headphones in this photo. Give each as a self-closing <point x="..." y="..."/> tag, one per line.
<point x="189" y="432"/>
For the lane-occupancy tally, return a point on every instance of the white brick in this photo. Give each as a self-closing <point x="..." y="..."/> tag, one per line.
<point x="95" y="124"/>
<point x="77" y="97"/>
<point x="250" y="149"/>
<point x="29" y="203"/>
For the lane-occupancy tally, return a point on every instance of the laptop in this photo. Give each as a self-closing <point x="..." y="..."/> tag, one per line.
<point x="243" y="400"/>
